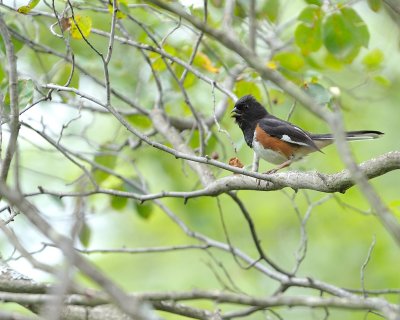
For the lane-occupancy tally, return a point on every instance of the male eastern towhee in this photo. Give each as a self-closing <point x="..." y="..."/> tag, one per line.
<point x="278" y="141"/>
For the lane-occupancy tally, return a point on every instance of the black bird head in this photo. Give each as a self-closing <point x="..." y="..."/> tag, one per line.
<point x="248" y="111"/>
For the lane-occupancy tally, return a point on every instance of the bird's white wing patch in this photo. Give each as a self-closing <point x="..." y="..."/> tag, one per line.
<point x="287" y="138"/>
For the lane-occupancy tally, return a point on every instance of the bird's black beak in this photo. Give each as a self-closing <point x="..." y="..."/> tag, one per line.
<point x="235" y="112"/>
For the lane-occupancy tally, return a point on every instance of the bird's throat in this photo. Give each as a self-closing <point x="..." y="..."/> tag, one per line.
<point x="248" y="132"/>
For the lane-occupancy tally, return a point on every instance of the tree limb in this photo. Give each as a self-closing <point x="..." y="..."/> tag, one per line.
<point x="297" y="180"/>
<point x="14" y="115"/>
<point x="328" y="183"/>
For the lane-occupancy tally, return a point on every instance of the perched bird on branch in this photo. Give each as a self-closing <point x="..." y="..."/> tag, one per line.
<point x="281" y="142"/>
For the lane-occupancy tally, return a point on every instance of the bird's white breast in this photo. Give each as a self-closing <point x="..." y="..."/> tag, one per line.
<point x="268" y="154"/>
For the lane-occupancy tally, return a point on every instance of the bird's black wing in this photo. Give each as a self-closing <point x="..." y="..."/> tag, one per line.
<point x="287" y="132"/>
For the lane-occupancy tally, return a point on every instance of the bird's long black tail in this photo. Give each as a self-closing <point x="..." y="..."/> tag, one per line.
<point x="351" y="135"/>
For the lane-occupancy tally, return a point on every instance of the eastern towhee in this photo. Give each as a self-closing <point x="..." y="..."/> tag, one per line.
<point x="278" y="141"/>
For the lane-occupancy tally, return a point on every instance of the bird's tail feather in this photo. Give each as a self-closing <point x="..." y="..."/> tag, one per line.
<point x="350" y="135"/>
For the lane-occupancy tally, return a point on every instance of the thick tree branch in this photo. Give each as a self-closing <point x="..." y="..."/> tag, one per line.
<point x="159" y="300"/>
<point x="297" y="180"/>
<point x="14" y="115"/>
<point x="328" y="183"/>
<point x="385" y="216"/>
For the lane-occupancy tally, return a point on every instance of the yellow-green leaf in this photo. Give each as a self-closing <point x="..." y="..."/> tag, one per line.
<point x="394" y="206"/>
<point x="247" y="87"/>
<point x="277" y="97"/>
<point x="270" y="10"/>
<point x="85" y="235"/>
<point x="383" y="81"/>
<point x="144" y="210"/>
<point x="25" y="94"/>
<point x="272" y="65"/>
<point x="80" y="26"/>
<point x="310" y="15"/>
<point x="307" y="38"/>
<point x="62" y="73"/>
<point x="289" y="60"/>
<point x="140" y="121"/>
<point x="373" y="59"/>
<point x="26" y="9"/>
<point x="204" y="61"/>
<point x="337" y="35"/>
<point x="332" y="62"/>
<point x="357" y="25"/>
<point x="316" y="2"/>
<point x="121" y="4"/>
<point x="106" y="160"/>
<point x="375" y="5"/>
<point x="118" y="203"/>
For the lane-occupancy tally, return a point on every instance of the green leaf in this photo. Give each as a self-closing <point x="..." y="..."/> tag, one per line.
<point x="289" y="60"/>
<point x="277" y="97"/>
<point x="62" y="74"/>
<point x="190" y="79"/>
<point x="357" y="26"/>
<point x="316" y="2"/>
<point x="80" y="26"/>
<point x="25" y="92"/>
<point x="310" y="15"/>
<point x="18" y="45"/>
<point x="337" y="36"/>
<point x="373" y="59"/>
<point x="26" y="9"/>
<point x="133" y="188"/>
<point x="144" y="210"/>
<point x="122" y="8"/>
<point x="2" y="74"/>
<point x="349" y="58"/>
<point x="85" y="235"/>
<point x="158" y="64"/>
<point x="203" y="61"/>
<point x="318" y="92"/>
<point x="375" y="5"/>
<point x="118" y="203"/>
<point x="332" y="62"/>
<point x="383" y="81"/>
<point x="394" y="206"/>
<point x="140" y="121"/>
<point x="240" y="10"/>
<point x="157" y="61"/>
<point x="106" y="160"/>
<point x="270" y="10"/>
<point x="245" y="87"/>
<point x="308" y="39"/>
